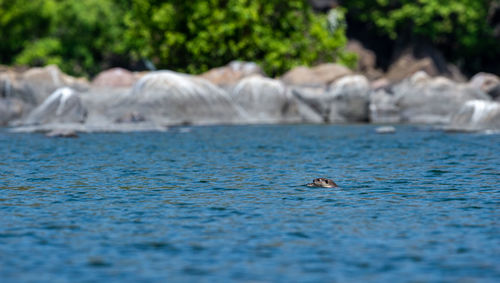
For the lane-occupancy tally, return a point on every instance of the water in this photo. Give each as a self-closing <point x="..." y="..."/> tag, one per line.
<point x="216" y="204"/>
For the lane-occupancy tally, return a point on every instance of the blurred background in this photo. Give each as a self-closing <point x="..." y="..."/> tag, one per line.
<point x="458" y="38"/>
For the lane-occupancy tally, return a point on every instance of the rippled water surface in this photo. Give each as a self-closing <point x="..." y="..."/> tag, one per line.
<point x="217" y="204"/>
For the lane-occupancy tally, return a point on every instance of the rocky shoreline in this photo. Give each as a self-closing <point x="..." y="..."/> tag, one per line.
<point x="46" y="100"/>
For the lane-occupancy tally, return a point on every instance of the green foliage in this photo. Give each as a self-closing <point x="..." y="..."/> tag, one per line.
<point x="460" y="25"/>
<point x="192" y="36"/>
<point x="41" y="52"/>
<point x="78" y="36"/>
<point x="21" y="21"/>
<point x="197" y="35"/>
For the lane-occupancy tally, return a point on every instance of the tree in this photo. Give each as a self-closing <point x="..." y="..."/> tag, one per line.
<point x="458" y="27"/>
<point x="197" y="35"/>
<point x="21" y="21"/>
<point x="83" y="37"/>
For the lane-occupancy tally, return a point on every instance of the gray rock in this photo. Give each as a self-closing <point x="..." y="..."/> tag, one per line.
<point x="385" y="130"/>
<point x="345" y="100"/>
<point x="383" y="108"/>
<point x="422" y="99"/>
<point x="104" y="126"/>
<point x="421" y="57"/>
<point x="170" y="98"/>
<point x="350" y="97"/>
<point x="62" y="106"/>
<point x="314" y="97"/>
<point x="131" y="117"/>
<point x="318" y="76"/>
<point x="62" y="133"/>
<point x="232" y="73"/>
<point x="488" y="83"/>
<point x="10" y="84"/>
<point x="31" y="87"/>
<point x="267" y="100"/>
<point x="476" y="115"/>
<point x="379" y="84"/>
<point x="115" y="77"/>
<point x="106" y="106"/>
<point x="495" y="92"/>
<point x="12" y="105"/>
<point x="38" y="83"/>
<point x="10" y="109"/>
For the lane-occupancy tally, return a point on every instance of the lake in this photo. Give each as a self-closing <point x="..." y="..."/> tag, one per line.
<point x="228" y="203"/>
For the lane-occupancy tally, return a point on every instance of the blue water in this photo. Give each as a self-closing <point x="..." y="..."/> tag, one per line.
<point x="218" y="204"/>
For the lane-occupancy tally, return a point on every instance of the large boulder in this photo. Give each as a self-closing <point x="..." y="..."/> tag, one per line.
<point x="10" y="84"/>
<point x="345" y="100"/>
<point x="488" y="83"/>
<point x="422" y="99"/>
<point x="476" y="115"/>
<point x="318" y="76"/>
<point x="407" y="65"/>
<point x="421" y="57"/>
<point x="267" y="100"/>
<point x="38" y="83"/>
<point x="383" y="108"/>
<point x="232" y="73"/>
<point x="350" y="98"/>
<point x="170" y="98"/>
<point x="62" y="106"/>
<point x="115" y="77"/>
<point x="10" y="109"/>
<point x="106" y="105"/>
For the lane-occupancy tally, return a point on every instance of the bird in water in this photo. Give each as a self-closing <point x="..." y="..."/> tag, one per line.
<point x="322" y="183"/>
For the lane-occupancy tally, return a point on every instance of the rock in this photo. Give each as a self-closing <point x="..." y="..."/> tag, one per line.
<point x="267" y="100"/>
<point x="476" y="115"/>
<point x="385" y="130"/>
<point x="62" y="133"/>
<point x="367" y="60"/>
<point x="488" y="83"/>
<point x="170" y="98"/>
<point x="350" y="97"/>
<point x="13" y="97"/>
<point x="106" y="106"/>
<point x="346" y="100"/>
<point x="10" y="109"/>
<point x="407" y="65"/>
<point x="318" y="76"/>
<point x="422" y="99"/>
<point x="232" y="73"/>
<point x="381" y="83"/>
<point x="39" y="83"/>
<point x="316" y="100"/>
<point x="62" y="106"/>
<point x="15" y="68"/>
<point x="495" y="92"/>
<point x="131" y="117"/>
<point x="383" y="108"/>
<point x="115" y="77"/>
<point x="422" y="57"/>
<point x="10" y="86"/>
